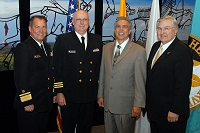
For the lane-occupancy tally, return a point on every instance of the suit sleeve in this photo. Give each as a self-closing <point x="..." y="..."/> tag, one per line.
<point x="58" y="57"/>
<point x="21" y="74"/>
<point x="140" y="79"/>
<point x="101" y="78"/>
<point x="183" y="76"/>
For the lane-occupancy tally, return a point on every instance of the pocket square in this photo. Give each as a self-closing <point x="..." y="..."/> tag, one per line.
<point x="37" y="56"/>
<point x="95" y="50"/>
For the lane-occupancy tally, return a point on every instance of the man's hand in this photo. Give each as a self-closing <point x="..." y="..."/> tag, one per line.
<point x="29" y="108"/>
<point x="136" y="112"/>
<point x="55" y="99"/>
<point x="172" y="117"/>
<point x="60" y="98"/>
<point x="100" y="102"/>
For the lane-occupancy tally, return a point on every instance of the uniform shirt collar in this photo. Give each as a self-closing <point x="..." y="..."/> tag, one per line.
<point x="165" y="46"/>
<point x="38" y="42"/>
<point x="79" y="36"/>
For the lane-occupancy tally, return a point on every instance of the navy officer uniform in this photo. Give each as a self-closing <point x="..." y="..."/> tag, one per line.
<point x="34" y="83"/>
<point x="76" y="72"/>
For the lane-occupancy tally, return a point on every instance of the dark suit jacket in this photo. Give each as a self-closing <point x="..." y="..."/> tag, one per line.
<point x="77" y="71"/>
<point x="33" y="76"/>
<point x="169" y="82"/>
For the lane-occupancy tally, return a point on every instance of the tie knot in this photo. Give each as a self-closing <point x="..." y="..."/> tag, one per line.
<point x="118" y="46"/>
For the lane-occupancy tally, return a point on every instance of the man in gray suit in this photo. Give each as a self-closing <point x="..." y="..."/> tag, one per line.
<point x="122" y="80"/>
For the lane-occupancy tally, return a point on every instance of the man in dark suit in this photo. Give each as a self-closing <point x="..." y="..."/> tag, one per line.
<point x="168" y="80"/>
<point x="76" y="66"/>
<point x="33" y="79"/>
<point x="122" y="80"/>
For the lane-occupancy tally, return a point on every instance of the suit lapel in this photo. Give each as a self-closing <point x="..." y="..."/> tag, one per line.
<point x="111" y="52"/>
<point x="152" y="53"/>
<point x="89" y="44"/>
<point x="165" y="54"/>
<point x="125" y="51"/>
<point x="77" y="44"/>
<point x="38" y="49"/>
<point x="48" y="52"/>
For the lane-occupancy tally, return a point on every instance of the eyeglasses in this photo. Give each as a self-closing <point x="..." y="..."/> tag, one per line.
<point x="166" y="29"/>
<point x="80" y="20"/>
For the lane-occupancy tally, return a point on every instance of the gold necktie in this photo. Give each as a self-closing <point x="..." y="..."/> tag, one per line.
<point x="159" y="53"/>
<point x="117" y="53"/>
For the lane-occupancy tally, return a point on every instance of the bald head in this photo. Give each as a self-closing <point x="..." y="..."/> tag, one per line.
<point x="81" y="21"/>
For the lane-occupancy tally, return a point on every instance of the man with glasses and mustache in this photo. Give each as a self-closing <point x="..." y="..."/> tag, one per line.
<point x="169" y="73"/>
<point x="77" y="58"/>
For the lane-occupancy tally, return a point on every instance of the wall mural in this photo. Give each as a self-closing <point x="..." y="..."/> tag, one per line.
<point x="56" y="11"/>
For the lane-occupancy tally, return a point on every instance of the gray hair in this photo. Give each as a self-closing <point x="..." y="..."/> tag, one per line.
<point x="124" y="18"/>
<point x="173" y="20"/>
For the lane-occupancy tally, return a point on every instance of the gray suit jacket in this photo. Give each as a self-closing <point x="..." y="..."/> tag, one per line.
<point x="122" y="85"/>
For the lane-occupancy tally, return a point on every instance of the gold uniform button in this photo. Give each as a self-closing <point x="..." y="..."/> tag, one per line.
<point x="81" y="63"/>
<point x="90" y="62"/>
<point x="48" y="78"/>
<point x="80" y="71"/>
<point x="90" y="80"/>
<point x="91" y="71"/>
<point x="80" y="80"/>
<point x="48" y="88"/>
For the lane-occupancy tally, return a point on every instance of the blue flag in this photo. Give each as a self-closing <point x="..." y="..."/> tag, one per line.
<point x="193" y="124"/>
<point x="73" y="7"/>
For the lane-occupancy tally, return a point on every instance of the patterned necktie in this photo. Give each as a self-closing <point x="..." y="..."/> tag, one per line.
<point x="117" y="53"/>
<point x="83" y="42"/>
<point x="159" y="53"/>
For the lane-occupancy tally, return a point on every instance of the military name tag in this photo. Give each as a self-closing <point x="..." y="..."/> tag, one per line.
<point x="71" y="51"/>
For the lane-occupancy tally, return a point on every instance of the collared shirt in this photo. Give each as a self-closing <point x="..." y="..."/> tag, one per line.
<point x="40" y="45"/>
<point x="38" y="42"/>
<point x="164" y="47"/>
<point x="121" y="45"/>
<point x="79" y="37"/>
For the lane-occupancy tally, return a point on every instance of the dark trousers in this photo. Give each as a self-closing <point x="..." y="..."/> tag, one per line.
<point x="33" y="122"/>
<point x="77" y="116"/>
<point x="170" y="127"/>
